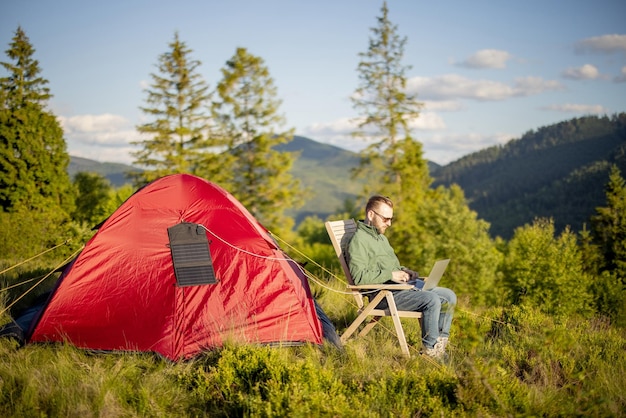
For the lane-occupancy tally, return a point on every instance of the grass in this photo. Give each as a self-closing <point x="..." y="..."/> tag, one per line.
<point x="506" y="361"/>
<point x="502" y="362"/>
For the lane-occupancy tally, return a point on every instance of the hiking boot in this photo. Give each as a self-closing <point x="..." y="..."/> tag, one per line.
<point x="438" y="352"/>
<point x="443" y="341"/>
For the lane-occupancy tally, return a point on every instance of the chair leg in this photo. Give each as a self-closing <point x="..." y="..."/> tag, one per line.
<point x="363" y="315"/>
<point x="371" y="324"/>
<point x="397" y="324"/>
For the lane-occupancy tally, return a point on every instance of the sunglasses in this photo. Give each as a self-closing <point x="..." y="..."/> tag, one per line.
<point x="385" y="219"/>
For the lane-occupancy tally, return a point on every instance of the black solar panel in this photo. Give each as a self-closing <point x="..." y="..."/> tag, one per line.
<point x="191" y="257"/>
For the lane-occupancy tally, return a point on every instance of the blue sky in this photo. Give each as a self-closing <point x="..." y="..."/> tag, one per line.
<point x="486" y="71"/>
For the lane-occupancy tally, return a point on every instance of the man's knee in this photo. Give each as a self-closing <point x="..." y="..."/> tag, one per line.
<point x="452" y="298"/>
<point x="433" y="300"/>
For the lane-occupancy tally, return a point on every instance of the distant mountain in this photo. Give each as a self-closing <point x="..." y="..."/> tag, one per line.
<point x="323" y="169"/>
<point x="557" y="171"/>
<point x="114" y="172"/>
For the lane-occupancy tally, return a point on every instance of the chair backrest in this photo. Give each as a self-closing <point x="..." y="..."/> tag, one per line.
<point x="340" y="233"/>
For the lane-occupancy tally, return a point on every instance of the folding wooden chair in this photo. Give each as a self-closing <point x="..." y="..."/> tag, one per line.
<point x="340" y="233"/>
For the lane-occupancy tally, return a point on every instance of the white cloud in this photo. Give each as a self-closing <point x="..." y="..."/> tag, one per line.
<point x="338" y="132"/>
<point x="586" y="72"/>
<point x="444" y="148"/>
<point x="104" y="137"/>
<point x="428" y="121"/>
<point x="528" y="86"/>
<point x="487" y="58"/>
<point x="453" y="86"/>
<point x="604" y="44"/>
<point x="578" y="108"/>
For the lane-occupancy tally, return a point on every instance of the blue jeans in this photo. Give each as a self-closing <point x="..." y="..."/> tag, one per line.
<point x="437" y="308"/>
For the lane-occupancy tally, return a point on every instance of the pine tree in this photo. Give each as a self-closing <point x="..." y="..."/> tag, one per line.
<point x="609" y="225"/>
<point x="393" y="162"/>
<point x="33" y="156"/>
<point x="178" y="137"/>
<point x="249" y="118"/>
<point x="387" y="110"/>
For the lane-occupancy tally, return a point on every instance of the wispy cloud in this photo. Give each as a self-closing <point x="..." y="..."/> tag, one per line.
<point x="486" y="58"/>
<point x="453" y="86"/>
<point x="606" y="44"/>
<point x="444" y="148"/>
<point x="586" y="72"/>
<point x="339" y="132"/>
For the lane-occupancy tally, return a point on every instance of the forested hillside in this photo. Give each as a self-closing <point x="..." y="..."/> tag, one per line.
<point x="555" y="171"/>
<point x="324" y="170"/>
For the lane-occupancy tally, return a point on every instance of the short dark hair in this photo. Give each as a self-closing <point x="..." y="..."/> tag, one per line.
<point x="375" y="201"/>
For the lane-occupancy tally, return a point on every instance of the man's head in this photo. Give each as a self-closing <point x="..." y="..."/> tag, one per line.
<point x="379" y="212"/>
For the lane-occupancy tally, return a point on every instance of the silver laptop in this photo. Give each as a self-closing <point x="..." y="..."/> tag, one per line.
<point x="433" y="278"/>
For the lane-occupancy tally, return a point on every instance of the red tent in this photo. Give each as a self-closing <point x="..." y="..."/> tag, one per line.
<point x="127" y="290"/>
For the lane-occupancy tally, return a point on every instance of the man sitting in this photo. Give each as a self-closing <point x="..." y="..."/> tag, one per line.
<point x="372" y="260"/>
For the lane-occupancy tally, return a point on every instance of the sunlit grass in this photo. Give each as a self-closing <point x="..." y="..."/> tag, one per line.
<point x="502" y="362"/>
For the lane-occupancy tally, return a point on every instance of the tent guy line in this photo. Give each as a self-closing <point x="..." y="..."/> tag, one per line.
<point x="245" y="251"/>
<point x="310" y="275"/>
<point x="41" y="280"/>
<point x="304" y="271"/>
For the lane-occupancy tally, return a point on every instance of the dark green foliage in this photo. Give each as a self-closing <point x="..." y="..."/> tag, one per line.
<point x="33" y="157"/>
<point x="23" y="85"/>
<point x="93" y="193"/>
<point x="551" y="172"/>
<point x="605" y="250"/>
<point x="609" y="225"/>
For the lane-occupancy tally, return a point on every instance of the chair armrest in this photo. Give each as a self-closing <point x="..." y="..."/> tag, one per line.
<point x="381" y="286"/>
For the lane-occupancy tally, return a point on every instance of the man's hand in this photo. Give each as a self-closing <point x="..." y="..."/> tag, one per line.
<point x="412" y="274"/>
<point x="400" y="276"/>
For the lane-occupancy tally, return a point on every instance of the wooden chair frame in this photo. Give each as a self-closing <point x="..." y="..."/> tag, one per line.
<point x="340" y="233"/>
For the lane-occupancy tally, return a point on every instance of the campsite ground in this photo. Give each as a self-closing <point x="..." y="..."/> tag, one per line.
<point x="502" y="362"/>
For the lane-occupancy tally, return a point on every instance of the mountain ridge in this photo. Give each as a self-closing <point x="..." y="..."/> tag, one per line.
<point x="557" y="171"/>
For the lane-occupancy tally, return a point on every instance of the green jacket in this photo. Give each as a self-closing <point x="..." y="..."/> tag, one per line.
<point x="370" y="257"/>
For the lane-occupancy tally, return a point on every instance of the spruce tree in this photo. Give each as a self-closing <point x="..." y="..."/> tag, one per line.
<point x="33" y="156"/>
<point x="387" y="109"/>
<point x="177" y="136"/>
<point x="609" y="225"/>
<point x="428" y="223"/>
<point x="248" y="114"/>
<point x="393" y="162"/>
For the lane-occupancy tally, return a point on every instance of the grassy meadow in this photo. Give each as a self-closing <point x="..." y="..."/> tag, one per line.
<point x="502" y="362"/>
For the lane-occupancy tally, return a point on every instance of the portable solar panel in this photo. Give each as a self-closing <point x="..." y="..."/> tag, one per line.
<point x="191" y="257"/>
